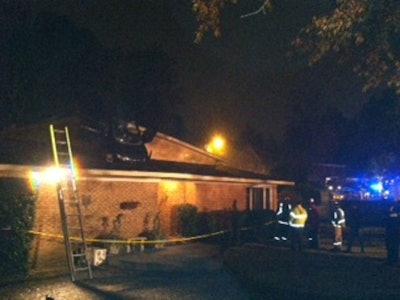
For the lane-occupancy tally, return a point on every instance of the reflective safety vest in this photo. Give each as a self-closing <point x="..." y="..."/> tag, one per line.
<point x="298" y="216"/>
<point x="338" y="219"/>
<point x="283" y="213"/>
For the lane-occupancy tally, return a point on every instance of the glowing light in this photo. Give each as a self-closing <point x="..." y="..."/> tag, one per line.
<point x="216" y="146"/>
<point x="377" y="187"/>
<point x="170" y="186"/>
<point x="51" y="175"/>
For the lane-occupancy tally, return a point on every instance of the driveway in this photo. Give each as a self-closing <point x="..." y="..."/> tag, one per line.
<point x="185" y="271"/>
<point x="195" y="271"/>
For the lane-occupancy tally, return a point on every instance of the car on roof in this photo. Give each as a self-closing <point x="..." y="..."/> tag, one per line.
<point x="124" y="141"/>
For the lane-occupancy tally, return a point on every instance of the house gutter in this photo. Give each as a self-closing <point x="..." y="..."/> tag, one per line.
<point x="25" y="171"/>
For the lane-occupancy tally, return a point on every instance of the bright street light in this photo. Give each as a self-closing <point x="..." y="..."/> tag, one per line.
<point x="216" y="145"/>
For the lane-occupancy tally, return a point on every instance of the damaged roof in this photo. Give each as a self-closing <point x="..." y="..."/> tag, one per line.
<point x="101" y="146"/>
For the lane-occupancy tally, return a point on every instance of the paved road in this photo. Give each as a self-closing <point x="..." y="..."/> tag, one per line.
<point x="189" y="271"/>
<point x="186" y="271"/>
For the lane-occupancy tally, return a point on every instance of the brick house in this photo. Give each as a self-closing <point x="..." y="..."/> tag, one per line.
<point x="121" y="192"/>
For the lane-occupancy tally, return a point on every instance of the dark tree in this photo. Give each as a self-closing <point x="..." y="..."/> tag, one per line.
<point x="49" y="67"/>
<point x="146" y="90"/>
<point x="374" y="133"/>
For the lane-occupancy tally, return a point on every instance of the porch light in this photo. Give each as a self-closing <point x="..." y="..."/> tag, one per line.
<point x="51" y="175"/>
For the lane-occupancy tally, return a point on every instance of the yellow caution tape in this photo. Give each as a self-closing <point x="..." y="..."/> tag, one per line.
<point x="133" y="241"/>
<point x="139" y="241"/>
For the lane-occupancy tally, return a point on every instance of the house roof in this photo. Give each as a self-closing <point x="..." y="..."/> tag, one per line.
<point x="30" y="145"/>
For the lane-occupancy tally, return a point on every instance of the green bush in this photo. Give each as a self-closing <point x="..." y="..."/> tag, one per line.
<point x="187" y="218"/>
<point x="17" y="211"/>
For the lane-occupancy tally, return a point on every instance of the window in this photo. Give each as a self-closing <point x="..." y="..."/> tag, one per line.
<point x="259" y="198"/>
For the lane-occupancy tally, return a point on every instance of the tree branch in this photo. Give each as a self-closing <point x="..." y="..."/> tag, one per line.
<point x="266" y="5"/>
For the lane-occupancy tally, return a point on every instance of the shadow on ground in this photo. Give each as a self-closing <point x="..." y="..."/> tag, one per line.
<point x="278" y="273"/>
<point x="200" y="271"/>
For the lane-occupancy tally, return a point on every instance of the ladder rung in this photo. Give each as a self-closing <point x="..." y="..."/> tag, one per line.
<point x="71" y="201"/>
<point x="63" y="154"/>
<point x="72" y="215"/>
<point x="79" y="254"/>
<point x="76" y="242"/>
<point x="59" y="130"/>
<point x="73" y="207"/>
<point x="82" y="269"/>
<point x="75" y="228"/>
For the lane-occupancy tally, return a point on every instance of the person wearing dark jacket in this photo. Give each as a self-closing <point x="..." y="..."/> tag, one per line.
<point x="312" y="225"/>
<point x="354" y="222"/>
<point x="392" y="235"/>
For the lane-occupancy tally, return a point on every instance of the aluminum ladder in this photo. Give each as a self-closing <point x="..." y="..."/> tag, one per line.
<point x="70" y="205"/>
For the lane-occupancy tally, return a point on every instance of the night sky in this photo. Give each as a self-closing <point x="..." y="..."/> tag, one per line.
<point x="245" y="78"/>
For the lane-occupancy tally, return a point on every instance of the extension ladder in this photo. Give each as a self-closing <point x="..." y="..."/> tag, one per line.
<point x="69" y="204"/>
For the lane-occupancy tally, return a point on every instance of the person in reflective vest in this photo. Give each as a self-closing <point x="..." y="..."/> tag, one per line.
<point x="297" y="221"/>
<point x="282" y="216"/>
<point x="338" y="222"/>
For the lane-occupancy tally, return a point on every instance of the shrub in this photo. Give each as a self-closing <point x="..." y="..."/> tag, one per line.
<point x="187" y="218"/>
<point x="17" y="207"/>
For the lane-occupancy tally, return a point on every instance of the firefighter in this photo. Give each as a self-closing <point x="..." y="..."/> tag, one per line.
<point x="282" y="217"/>
<point x="338" y="222"/>
<point x="297" y="221"/>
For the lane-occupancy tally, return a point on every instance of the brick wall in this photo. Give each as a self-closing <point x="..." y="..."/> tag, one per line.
<point x="103" y="199"/>
<point x="101" y="204"/>
<point x="220" y="197"/>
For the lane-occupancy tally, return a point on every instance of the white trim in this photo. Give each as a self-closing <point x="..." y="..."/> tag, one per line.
<point x="250" y="199"/>
<point x="264" y="193"/>
<point x="23" y="171"/>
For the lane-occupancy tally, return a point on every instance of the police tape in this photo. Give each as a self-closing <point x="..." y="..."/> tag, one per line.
<point x="138" y="240"/>
<point x="133" y="241"/>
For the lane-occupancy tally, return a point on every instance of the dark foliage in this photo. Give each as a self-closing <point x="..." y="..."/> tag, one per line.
<point x="17" y="208"/>
<point x="187" y="218"/>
